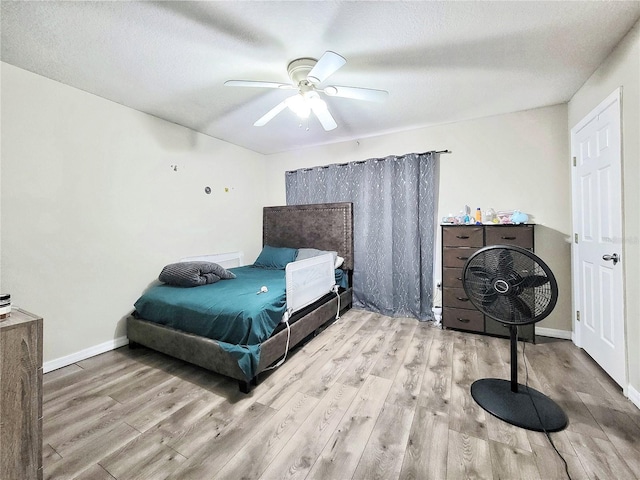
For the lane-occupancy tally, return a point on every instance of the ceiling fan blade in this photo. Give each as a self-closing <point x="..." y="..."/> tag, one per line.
<point x="328" y="64"/>
<point x="357" y="93"/>
<point x="270" y="114"/>
<point x="251" y="83"/>
<point x="323" y="114"/>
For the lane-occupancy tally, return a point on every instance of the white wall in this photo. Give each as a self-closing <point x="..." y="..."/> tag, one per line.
<point x="513" y="161"/>
<point x="92" y="210"/>
<point x="622" y="68"/>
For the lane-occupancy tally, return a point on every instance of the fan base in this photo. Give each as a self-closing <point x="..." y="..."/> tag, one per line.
<point x="516" y="408"/>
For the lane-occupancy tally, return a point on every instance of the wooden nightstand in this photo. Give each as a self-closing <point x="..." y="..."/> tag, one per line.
<point x="21" y="396"/>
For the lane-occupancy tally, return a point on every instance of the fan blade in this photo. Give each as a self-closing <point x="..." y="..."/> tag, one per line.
<point x="481" y="273"/>
<point x="326" y="119"/>
<point x="505" y="263"/>
<point x="521" y="307"/>
<point x="251" y="83"/>
<point x="270" y="114"/>
<point x="357" y="93"/>
<point x="488" y="297"/>
<point x="328" y="64"/>
<point x="533" y="281"/>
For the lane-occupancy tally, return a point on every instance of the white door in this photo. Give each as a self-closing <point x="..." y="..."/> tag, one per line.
<point x="597" y="249"/>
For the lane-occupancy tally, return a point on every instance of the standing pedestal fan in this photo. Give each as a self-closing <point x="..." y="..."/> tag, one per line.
<point x="514" y="287"/>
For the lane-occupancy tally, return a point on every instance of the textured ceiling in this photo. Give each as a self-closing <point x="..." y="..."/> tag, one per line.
<point x="440" y="61"/>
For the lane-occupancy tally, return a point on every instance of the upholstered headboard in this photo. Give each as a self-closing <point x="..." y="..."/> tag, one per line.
<point x="325" y="226"/>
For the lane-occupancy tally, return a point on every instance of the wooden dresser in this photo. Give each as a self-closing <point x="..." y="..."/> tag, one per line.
<point x="459" y="242"/>
<point x="21" y="396"/>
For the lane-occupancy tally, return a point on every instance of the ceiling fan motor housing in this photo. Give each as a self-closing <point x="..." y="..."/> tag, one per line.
<point x="299" y="69"/>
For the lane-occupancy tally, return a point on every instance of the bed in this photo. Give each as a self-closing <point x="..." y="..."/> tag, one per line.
<point x="326" y="227"/>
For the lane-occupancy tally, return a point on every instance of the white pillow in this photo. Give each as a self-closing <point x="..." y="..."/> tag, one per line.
<point x="304" y="253"/>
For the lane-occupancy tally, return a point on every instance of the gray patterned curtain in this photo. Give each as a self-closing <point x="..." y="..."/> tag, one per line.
<point x="394" y="201"/>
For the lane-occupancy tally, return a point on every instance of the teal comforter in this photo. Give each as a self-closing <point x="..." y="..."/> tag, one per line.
<point x="229" y="311"/>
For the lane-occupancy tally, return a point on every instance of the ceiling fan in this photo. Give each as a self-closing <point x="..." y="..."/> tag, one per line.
<point x="306" y="75"/>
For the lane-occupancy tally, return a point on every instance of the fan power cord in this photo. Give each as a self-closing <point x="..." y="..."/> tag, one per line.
<point x="285" y="319"/>
<point x="334" y="289"/>
<point x="526" y="383"/>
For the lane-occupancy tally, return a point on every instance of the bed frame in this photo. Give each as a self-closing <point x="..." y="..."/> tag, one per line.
<point x="327" y="226"/>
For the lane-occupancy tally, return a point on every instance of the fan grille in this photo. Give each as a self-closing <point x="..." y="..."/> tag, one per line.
<point x="510" y="285"/>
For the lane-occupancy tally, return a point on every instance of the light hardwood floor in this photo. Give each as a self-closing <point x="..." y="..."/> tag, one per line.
<point x="370" y="397"/>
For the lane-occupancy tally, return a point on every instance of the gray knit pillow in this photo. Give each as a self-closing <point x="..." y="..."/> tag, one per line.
<point x="193" y="274"/>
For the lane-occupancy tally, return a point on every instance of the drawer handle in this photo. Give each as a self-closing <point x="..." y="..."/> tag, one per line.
<point x="462" y="299"/>
<point x="462" y="237"/>
<point x="463" y="320"/>
<point x="508" y="238"/>
<point x="462" y="258"/>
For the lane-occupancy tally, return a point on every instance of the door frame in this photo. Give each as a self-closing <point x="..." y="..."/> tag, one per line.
<point x="614" y="97"/>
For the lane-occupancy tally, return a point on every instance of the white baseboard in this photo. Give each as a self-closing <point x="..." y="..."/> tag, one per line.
<point x="553" y="333"/>
<point x="634" y="395"/>
<point x="84" y="354"/>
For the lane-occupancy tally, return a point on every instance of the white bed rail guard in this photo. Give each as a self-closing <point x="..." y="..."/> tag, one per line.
<point x="226" y="260"/>
<point x="309" y="280"/>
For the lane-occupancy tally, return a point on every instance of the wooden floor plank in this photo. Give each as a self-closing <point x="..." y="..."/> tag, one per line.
<point x="95" y="472"/>
<point x="427" y="446"/>
<point x="258" y="452"/>
<point x="210" y="446"/>
<point x="283" y="382"/>
<point x="95" y="448"/>
<point x="296" y="459"/>
<point x="358" y="370"/>
<point x="405" y="390"/>
<point x="392" y="356"/>
<point x="340" y="457"/>
<point x="328" y="413"/>
<point x="513" y="462"/>
<point x="60" y="374"/>
<point x="435" y="391"/>
<point x="383" y="455"/>
<point x="599" y="458"/>
<point x="621" y="431"/>
<point x="550" y="465"/>
<point x="469" y="457"/>
<point x="465" y="415"/>
<point x="144" y="457"/>
<point x="328" y="374"/>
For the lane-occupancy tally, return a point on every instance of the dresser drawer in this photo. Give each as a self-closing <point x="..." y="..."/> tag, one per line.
<point x="463" y="319"/>
<point x="456" y="297"/>
<point x="519" y="235"/>
<point x="462" y="236"/>
<point x="456" y="257"/>
<point x="452" y="277"/>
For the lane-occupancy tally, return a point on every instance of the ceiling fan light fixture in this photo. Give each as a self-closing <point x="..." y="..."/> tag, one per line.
<point x="315" y="102"/>
<point x="299" y="105"/>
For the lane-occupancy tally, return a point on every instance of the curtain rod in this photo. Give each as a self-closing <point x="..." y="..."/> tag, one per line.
<point x="363" y="161"/>
<point x="424" y="153"/>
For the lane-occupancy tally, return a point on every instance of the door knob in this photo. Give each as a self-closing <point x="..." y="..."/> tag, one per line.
<point x="613" y="257"/>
